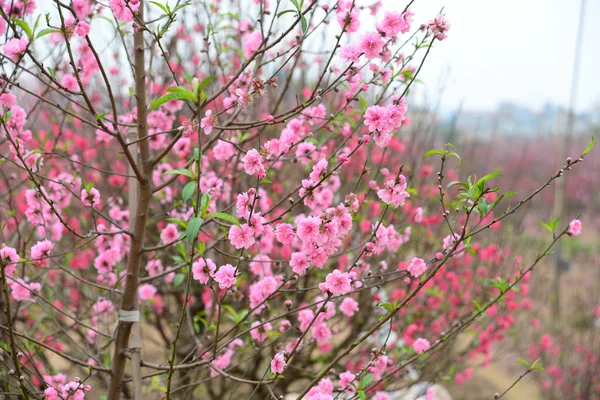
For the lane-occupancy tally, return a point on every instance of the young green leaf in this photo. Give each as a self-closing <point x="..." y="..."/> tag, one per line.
<point x="432" y="152"/>
<point x="193" y="227"/>
<point x="224" y="217"/>
<point x="185" y="172"/>
<point x="589" y="147"/>
<point x="188" y="191"/>
<point x="171" y="97"/>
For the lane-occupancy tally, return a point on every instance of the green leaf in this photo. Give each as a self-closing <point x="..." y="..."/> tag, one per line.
<point x="432" y="152"/>
<point x="285" y="12"/>
<point x="193" y="227"/>
<point x="487" y="178"/>
<point x="461" y="184"/>
<point x="537" y="366"/>
<point x="178" y="222"/>
<point x="204" y="84"/>
<point x="295" y="3"/>
<point x="46" y="31"/>
<point x="365" y="380"/>
<point x="224" y="217"/>
<point x="477" y="305"/>
<point x="304" y="23"/>
<point x="171" y="97"/>
<point x="387" y="306"/>
<point x="453" y="154"/>
<point x="362" y="395"/>
<point x="204" y="202"/>
<point x="24" y="26"/>
<point x="51" y="72"/>
<point x="185" y="172"/>
<point x="100" y="116"/>
<point x="589" y="147"/>
<point x="178" y="280"/>
<point x="188" y="191"/>
<point x="525" y="363"/>
<point x="162" y="7"/>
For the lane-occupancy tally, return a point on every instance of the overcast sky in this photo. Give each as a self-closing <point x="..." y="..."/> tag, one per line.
<point x="512" y="50"/>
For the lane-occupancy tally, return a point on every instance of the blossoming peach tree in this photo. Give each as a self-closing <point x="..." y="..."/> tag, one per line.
<point x="209" y="199"/>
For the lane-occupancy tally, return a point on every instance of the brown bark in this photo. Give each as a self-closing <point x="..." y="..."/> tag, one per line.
<point x="129" y="299"/>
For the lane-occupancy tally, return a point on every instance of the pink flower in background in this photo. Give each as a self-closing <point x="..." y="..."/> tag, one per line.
<point x="225" y="276"/>
<point x="8" y="255"/>
<point x="40" y="251"/>
<point x="15" y="46"/>
<point x="350" y="52"/>
<point x="417" y="267"/>
<point x="146" y="291"/>
<point x="574" y="228"/>
<point x="208" y="122"/>
<point x="122" y="9"/>
<point x="82" y="28"/>
<point x="259" y="331"/>
<point x="346" y="378"/>
<point x="278" y="363"/>
<point x="348" y="19"/>
<point x="70" y="82"/>
<point x="371" y="44"/>
<point x="22" y="291"/>
<point x="169" y="234"/>
<point x="203" y="269"/>
<point x="420" y="345"/>
<point x="348" y="307"/>
<point x="394" y="192"/>
<point x="251" y="43"/>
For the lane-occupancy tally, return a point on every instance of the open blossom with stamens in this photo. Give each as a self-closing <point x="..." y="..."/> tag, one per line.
<point x="91" y="198"/>
<point x="394" y="192"/>
<point x="395" y="22"/>
<point x="371" y="44"/>
<point x="244" y="98"/>
<point x="241" y="237"/>
<point x="41" y="251"/>
<point x="278" y="363"/>
<point x="208" y="121"/>
<point x="9" y="257"/>
<point x="253" y="164"/>
<point x="337" y="282"/>
<point x="203" y="269"/>
<point x="439" y="26"/>
<point x="225" y="276"/>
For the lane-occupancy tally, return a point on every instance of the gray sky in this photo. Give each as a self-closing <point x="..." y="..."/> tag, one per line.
<point x="512" y="50"/>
